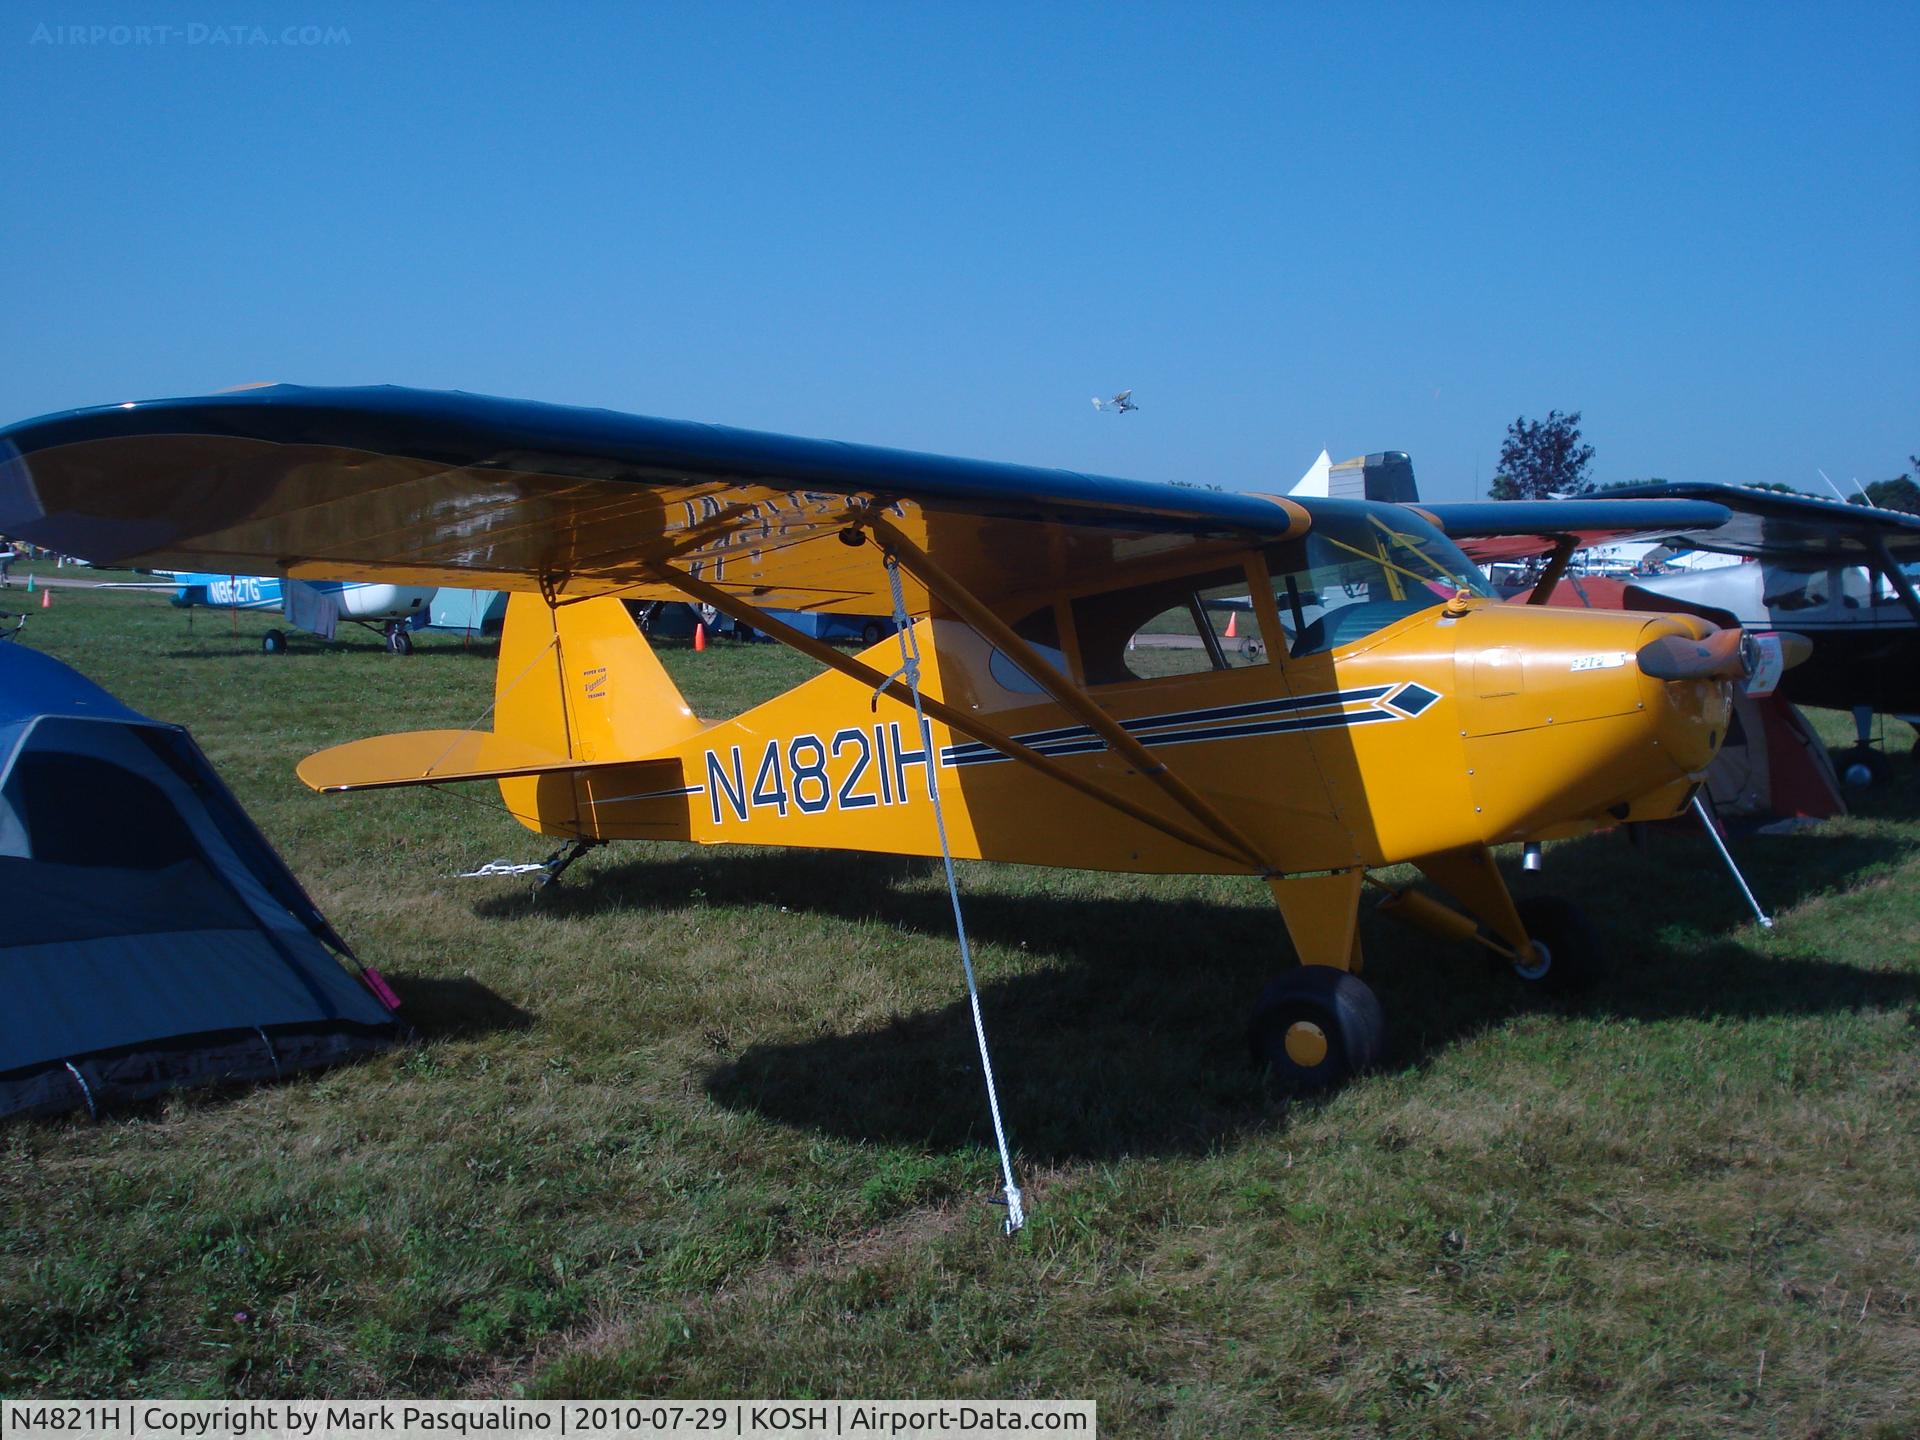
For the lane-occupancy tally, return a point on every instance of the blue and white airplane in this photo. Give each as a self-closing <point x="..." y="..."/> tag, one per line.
<point x="315" y="606"/>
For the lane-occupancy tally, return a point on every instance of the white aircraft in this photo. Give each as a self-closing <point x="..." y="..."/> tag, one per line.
<point x="314" y="606"/>
<point x="1119" y="405"/>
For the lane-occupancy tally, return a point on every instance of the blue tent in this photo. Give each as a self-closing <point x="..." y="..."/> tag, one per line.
<point x="150" y="937"/>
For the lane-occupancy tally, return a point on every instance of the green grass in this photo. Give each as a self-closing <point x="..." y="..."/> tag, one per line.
<point x="709" y="1123"/>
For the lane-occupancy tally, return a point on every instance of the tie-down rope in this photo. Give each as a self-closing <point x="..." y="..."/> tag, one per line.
<point x="910" y="670"/>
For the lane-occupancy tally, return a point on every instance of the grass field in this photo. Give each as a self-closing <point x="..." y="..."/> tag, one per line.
<point x="709" y="1123"/>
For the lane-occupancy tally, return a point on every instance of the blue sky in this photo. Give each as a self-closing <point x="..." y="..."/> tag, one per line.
<point x="946" y="227"/>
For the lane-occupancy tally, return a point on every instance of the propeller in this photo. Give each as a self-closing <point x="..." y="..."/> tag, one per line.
<point x="1728" y="654"/>
<point x="1679" y="657"/>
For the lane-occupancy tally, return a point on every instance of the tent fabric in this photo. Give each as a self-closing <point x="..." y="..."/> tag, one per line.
<point x="1773" y="765"/>
<point x="149" y="935"/>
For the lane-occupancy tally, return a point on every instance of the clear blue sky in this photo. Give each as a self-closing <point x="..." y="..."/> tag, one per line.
<point x="947" y="226"/>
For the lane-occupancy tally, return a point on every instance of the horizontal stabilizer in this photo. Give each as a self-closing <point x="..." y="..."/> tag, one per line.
<point x="426" y="757"/>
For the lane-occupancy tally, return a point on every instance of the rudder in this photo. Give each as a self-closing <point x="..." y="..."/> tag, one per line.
<point x="578" y="679"/>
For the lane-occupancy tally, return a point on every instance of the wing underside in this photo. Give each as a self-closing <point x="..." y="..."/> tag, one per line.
<point x="441" y="488"/>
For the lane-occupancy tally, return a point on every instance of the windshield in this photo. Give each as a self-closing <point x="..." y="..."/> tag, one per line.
<point x="1355" y="573"/>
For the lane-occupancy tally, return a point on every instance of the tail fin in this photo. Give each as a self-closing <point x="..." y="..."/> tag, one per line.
<point x="576" y="687"/>
<point x="579" y="680"/>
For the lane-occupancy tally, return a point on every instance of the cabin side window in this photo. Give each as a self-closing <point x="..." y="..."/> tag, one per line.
<point x="1797" y="589"/>
<point x="1187" y="625"/>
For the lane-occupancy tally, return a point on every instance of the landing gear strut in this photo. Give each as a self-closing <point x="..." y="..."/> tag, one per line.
<point x="556" y="864"/>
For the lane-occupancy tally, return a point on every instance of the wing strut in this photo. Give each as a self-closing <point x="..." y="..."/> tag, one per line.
<point x="1555" y="568"/>
<point x="1070" y="696"/>
<point x="969" y="725"/>
<point x="910" y="669"/>
<point x="1896" y="577"/>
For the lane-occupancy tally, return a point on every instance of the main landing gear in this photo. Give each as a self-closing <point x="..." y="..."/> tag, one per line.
<point x="1315" y="1027"/>
<point x="398" y="640"/>
<point x="1320" y="1024"/>
<point x="1866" y="765"/>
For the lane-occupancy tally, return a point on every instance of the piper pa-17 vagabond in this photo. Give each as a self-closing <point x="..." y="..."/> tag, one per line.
<point x="1082" y="704"/>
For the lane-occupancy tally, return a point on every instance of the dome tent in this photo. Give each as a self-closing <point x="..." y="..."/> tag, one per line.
<point x="150" y="937"/>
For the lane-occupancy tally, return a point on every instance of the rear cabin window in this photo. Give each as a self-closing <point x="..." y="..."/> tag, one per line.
<point x="1041" y="630"/>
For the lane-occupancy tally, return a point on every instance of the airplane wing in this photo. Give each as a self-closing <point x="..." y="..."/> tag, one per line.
<point x="1490" y="530"/>
<point x="445" y="488"/>
<point x="1792" y="527"/>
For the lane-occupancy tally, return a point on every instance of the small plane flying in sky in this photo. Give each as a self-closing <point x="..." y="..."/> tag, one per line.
<point x="316" y="606"/>
<point x="1119" y="405"/>
<point x="1842" y="575"/>
<point x="1066" y="645"/>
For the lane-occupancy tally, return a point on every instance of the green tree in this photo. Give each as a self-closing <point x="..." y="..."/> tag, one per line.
<point x="1899" y="493"/>
<point x="1543" y="458"/>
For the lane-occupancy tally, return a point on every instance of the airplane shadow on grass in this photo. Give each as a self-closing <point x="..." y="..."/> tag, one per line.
<point x="1134" y="1042"/>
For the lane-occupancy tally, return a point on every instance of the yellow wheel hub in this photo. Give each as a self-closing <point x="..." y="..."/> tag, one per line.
<point x="1306" y="1044"/>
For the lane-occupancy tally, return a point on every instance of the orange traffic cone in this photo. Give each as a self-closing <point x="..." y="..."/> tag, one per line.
<point x="699" y="637"/>
<point x="1233" y="625"/>
<point x="46" y="599"/>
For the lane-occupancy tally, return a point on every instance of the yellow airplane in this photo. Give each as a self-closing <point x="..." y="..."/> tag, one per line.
<point x="1113" y="675"/>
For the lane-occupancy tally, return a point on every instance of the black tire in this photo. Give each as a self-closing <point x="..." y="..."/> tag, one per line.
<point x="1863" y="767"/>
<point x="1316" y="1027"/>
<point x="274" y="642"/>
<point x="1567" y="955"/>
<point x="871" y="633"/>
<point x="399" y="642"/>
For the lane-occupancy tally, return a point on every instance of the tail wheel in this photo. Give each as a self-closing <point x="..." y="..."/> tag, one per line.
<point x="1315" y="1027"/>
<point x="274" y="642"/>
<point x="1565" y="955"/>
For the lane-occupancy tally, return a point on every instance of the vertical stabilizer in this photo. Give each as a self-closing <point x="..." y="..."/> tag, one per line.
<point x="579" y="680"/>
<point x="1386" y="475"/>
